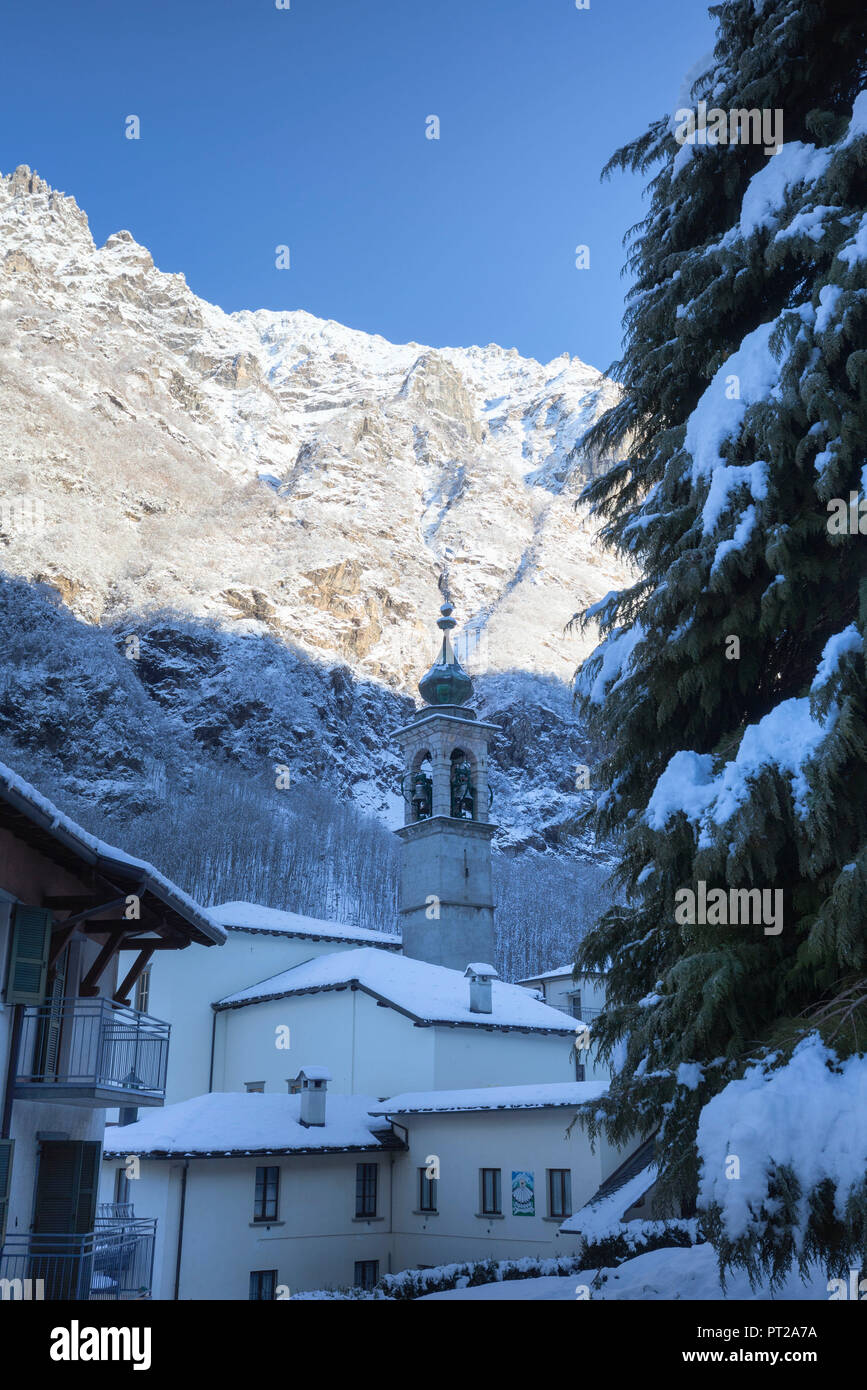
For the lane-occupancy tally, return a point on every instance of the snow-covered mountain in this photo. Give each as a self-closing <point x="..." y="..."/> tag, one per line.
<point x="278" y="472"/>
<point x="273" y="507"/>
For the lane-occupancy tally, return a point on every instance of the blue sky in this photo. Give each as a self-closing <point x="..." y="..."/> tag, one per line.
<point x="305" y="127"/>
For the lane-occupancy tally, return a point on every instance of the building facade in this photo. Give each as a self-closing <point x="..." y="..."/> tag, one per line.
<point x="79" y="922"/>
<point x="582" y="996"/>
<point x="360" y="1189"/>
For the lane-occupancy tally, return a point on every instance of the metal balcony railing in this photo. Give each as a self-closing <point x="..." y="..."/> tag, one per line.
<point x="92" y="1052"/>
<point x="585" y="1015"/>
<point x="114" y="1261"/>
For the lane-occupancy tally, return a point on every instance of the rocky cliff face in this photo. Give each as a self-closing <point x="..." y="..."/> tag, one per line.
<point x="278" y="472"/>
<point x="313" y="489"/>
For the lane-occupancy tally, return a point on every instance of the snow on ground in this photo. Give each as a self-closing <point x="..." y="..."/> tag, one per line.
<point x="654" y="1277"/>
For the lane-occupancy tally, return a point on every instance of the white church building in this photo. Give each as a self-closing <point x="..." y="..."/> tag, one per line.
<point x="345" y="1103"/>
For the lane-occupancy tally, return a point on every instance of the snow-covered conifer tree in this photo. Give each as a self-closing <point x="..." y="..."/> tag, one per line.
<point x="729" y="685"/>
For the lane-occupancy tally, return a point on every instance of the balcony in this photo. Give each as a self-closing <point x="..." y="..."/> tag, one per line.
<point x="114" y="1261"/>
<point x="587" y="1016"/>
<point x="91" y="1052"/>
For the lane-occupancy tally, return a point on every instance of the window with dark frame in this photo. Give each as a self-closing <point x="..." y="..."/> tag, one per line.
<point x="427" y="1191"/>
<point x="559" y="1192"/>
<point x="365" y="1190"/>
<point x="580" y="1070"/>
<point x="143" y="990"/>
<point x="263" y="1285"/>
<point x="121" y="1186"/>
<point x="366" y="1271"/>
<point x="492" y="1199"/>
<point x="266" y="1195"/>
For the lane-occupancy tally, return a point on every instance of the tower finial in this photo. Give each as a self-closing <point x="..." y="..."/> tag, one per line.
<point x="446" y="622"/>
<point x="446" y="683"/>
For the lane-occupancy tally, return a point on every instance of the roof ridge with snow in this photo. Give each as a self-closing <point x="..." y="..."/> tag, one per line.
<point x="429" y="994"/>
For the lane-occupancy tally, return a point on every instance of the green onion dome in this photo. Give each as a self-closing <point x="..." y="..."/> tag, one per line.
<point x="446" y="683"/>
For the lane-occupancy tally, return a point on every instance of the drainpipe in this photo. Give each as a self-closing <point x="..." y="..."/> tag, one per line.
<point x="394" y="1126"/>
<point x="181" y="1227"/>
<point x="390" y="1208"/>
<point x="213" y="1045"/>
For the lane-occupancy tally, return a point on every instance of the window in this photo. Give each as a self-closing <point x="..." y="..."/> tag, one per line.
<point x="121" y="1186"/>
<point x="366" y="1271"/>
<point x="265" y="1202"/>
<point x="365" y="1191"/>
<point x="492" y="1201"/>
<point x="143" y="990"/>
<point x="263" y="1284"/>
<point x="427" y="1191"/>
<point x="576" y="1005"/>
<point x="579" y="1070"/>
<point x="255" y="1087"/>
<point x="559" y="1192"/>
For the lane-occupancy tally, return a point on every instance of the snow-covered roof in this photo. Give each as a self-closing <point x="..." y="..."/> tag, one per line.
<point x="531" y="1097"/>
<point x="428" y="994"/>
<point x="42" y="813"/>
<point x="223" y="1123"/>
<point x="562" y="970"/>
<point x="603" y="1215"/>
<point x="272" y="921"/>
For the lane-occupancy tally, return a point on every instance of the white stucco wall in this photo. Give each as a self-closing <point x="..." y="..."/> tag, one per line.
<point x="314" y="1243"/>
<point x="184" y="984"/>
<point x="474" y="1057"/>
<point x="369" y="1050"/>
<point x="517" y="1140"/>
<point x="374" y="1050"/>
<point x="559" y="991"/>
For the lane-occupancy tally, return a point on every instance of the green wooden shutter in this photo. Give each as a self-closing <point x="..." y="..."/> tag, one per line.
<point x="6" y="1147"/>
<point x="66" y="1186"/>
<point x="88" y="1184"/>
<point x="31" y="940"/>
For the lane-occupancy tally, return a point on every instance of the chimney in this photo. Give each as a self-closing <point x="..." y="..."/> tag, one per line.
<point x="313" y="1082"/>
<point x="481" y="991"/>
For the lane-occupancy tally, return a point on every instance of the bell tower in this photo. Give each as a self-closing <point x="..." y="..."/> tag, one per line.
<point x="446" y="893"/>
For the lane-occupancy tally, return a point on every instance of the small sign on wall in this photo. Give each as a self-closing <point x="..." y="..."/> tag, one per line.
<point x="523" y="1194"/>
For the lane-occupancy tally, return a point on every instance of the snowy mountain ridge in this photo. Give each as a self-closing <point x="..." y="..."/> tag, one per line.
<point x="281" y="473"/>
<point x="252" y="519"/>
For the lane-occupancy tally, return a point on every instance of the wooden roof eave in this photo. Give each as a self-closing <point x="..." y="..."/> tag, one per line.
<point x="30" y="824"/>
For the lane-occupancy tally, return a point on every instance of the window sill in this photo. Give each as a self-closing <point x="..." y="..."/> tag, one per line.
<point x="559" y="1219"/>
<point x="491" y="1215"/>
<point x="267" y="1223"/>
<point x="368" y="1218"/>
<point x="419" y="1212"/>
